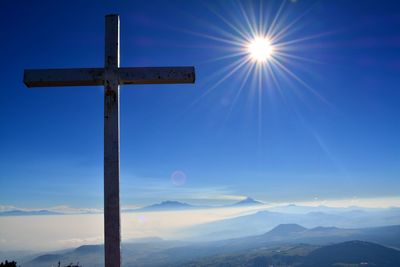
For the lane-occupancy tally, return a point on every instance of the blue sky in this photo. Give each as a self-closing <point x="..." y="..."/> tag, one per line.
<point x="284" y="144"/>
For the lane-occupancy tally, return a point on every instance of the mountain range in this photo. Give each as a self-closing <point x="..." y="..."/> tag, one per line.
<point x="264" y="220"/>
<point x="170" y="205"/>
<point x="167" y="205"/>
<point x="286" y="243"/>
<point x="351" y="253"/>
<point x="176" y="205"/>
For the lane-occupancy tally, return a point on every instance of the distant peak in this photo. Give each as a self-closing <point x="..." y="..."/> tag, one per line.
<point x="248" y="201"/>
<point x="172" y="202"/>
<point x="168" y="205"/>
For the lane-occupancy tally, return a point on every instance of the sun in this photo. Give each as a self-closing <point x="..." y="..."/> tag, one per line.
<point x="260" y="49"/>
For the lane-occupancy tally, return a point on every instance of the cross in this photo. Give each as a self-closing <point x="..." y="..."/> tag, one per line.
<point x="111" y="76"/>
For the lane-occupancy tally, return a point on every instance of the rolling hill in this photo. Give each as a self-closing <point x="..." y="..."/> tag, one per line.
<point x="352" y="253"/>
<point x="263" y="221"/>
<point x="288" y="243"/>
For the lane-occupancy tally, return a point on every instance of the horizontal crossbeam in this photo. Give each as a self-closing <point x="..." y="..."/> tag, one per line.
<point x="64" y="77"/>
<point x="95" y="76"/>
<point x="156" y="75"/>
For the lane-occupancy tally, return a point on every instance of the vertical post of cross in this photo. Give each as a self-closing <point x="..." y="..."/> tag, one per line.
<point x="112" y="225"/>
<point x="111" y="76"/>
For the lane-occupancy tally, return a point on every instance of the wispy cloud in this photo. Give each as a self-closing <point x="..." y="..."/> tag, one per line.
<point x="66" y="231"/>
<point x="65" y="209"/>
<point x="230" y="197"/>
<point x="6" y="208"/>
<point x="191" y="195"/>
<point x="375" y="202"/>
<point x="141" y="190"/>
<point x="71" y="210"/>
<point x="130" y="207"/>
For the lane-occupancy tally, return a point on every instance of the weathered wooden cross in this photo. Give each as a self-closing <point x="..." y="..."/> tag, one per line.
<point x="111" y="76"/>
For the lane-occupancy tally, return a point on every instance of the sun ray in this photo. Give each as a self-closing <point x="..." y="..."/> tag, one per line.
<point x="271" y="28"/>
<point x="226" y="76"/>
<point x="300" y="58"/>
<point x="260" y="94"/>
<point x="281" y="33"/>
<point x="261" y="18"/>
<point x="306" y="38"/>
<point x="247" y="20"/>
<point x="275" y="81"/>
<point x="221" y="71"/>
<point x="260" y="42"/>
<point x="233" y="55"/>
<point x="215" y="38"/>
<point x="242" y="32"/>
<point x="294" y="76"/>
<point x="248" y="71"/>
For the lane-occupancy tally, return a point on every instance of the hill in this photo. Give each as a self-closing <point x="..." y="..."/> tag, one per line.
<point x="285" y="229"/>
<point x="354" y="253"/>
<point x="294" y="234"/>
<point x="170" y="205"/>
<point x="287" y="243"/>
<point x="263" y="221"/>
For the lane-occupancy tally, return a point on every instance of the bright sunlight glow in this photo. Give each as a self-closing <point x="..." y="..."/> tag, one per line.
<point x="260" y="49"/>
<point x="264" y="50"/>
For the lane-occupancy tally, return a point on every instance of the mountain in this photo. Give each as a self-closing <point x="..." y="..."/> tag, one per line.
<point x="47" y="258"/>
<point x="87" y="255"/>
<point x="294" y="234"/>
<point x="176" y="205"/>
<point x="353" y="253"/>
<point x="168" y="205"/>
<point x="286" y="235"/>
<point x="248" y="201"/>
<point x="28" y="213"/>
<point x="134" y="254"/>
<point x="262" y="221"/>
<point x="285" y="230"/>
<point x="290" y="234"/>
<point x="285" y="245"/>
<point x="252" y="224"/>
<point x="87" y="249"/>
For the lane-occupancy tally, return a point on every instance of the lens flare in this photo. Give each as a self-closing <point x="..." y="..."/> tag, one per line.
<point x="178" y="178"/>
